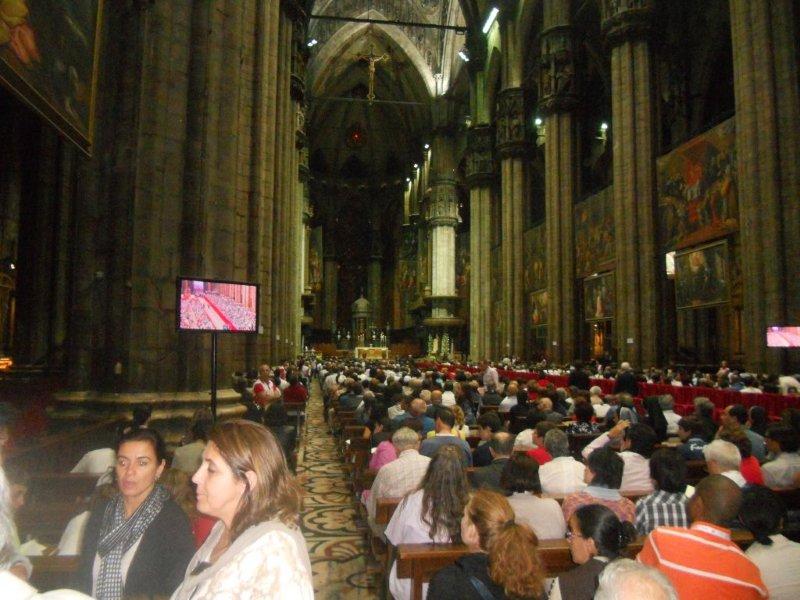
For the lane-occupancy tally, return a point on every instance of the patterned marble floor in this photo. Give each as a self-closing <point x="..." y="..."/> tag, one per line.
<point x="336" y="547"/>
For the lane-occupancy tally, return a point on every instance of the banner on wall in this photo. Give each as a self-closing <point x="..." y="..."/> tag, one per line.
<point x="594" y="233"/>
<point x="701" y="276"/>
<point x="535" y="264"/>
<point x="598" y="297"/>
<point x="49" y="52"/>
<point x="538" y="308"/>
<point x="697" y="182"/>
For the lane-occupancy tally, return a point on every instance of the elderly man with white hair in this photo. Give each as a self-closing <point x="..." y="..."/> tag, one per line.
<point x="724" y="458"/>
<point x="596" y="398"/>
<point x="667" y="404"/>
<point x="403" y="474"/>
<point x="626" y="579"/>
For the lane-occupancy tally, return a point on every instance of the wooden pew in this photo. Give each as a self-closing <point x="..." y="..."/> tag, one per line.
<point x="45" y="487"/>
<point x="632" y="495"/>
<point x="420" y="562"/>
<point x="384" y="509"/>
<point x="45" y="521"/>
<point x="53" y="572"/>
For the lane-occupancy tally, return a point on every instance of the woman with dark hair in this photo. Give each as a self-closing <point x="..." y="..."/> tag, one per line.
<point x="520" y="478"/>
<point x="596" y="537"/>
<point x="603" y="476"/>
<point x="655" y="417"/>
<point x="189" y="455"/>
<point x="778" y="559"/>
<point x="256" y="549"/>
<point x="757" y="420"/>
<point x="503" y="561"/>
<point x="584" y="413"/>
<point x="750" y="467"/>
<point x="139" y="542"/>
<point x="432" y="513"/>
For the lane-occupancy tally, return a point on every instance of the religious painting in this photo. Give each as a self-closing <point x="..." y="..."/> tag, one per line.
<point x="697" y="189"/>
<point x="49" y="52"/>
<point x="594" y="233"/>
<point x="407" y="284"/>
<point x="463" y="273"/>
<point x="315" y="260"/>
<point x="701" y="276"/>
<point x="538" y="308"/>
<point x="598" y="297"/>
<point x="408" y="248"/>
<point x="535" y="277"/>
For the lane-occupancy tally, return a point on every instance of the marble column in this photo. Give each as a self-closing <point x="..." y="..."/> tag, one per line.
<point x="765" y="67"/>
<point x="480" y="173"/>
<point x="512" y="145"/>
<point x="374" y="273"/>
<point x="557" y="100"/>
<point x="626" y="24"/>
<point x="330" y="287"/>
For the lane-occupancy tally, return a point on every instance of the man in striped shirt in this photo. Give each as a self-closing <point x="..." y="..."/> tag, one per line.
<point x="702" y="561"/>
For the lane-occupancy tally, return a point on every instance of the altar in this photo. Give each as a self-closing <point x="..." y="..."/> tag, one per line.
<point x="371" y="352"/>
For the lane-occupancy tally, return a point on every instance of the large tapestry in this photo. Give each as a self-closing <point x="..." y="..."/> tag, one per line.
<point x="48" y="56"/>
<point x="535" y="259"/>
<point x="594" y="233"/>
<point x="406" y="279"/>
<point x="701" y="276"/>
<point x="315" y="260"/>
<point x="697" y="189"/>
<point x="598" y="297"/>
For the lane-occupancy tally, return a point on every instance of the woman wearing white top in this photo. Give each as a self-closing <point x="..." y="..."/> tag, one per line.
<point x="256" y="549"/>
<point x="544" y="515"/>
<point x="432" y="513"/>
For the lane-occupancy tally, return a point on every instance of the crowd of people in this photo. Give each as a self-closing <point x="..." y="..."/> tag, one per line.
<point x="476" y="459"/>
<point x="504" y="506"/>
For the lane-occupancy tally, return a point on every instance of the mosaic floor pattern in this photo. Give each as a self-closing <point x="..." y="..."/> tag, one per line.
<point x="337" y="551"/>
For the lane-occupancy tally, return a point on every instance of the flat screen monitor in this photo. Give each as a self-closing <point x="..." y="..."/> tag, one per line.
<point x="215" y="305"/>
<point x="783" y="337"/>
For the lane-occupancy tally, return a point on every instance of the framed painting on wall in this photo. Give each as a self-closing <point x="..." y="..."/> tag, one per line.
<point x="49" y="52"/>
<point x="701" y="276"/>
<point x="598" y="297"/>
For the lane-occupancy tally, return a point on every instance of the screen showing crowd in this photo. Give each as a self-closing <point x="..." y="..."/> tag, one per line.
<point x="217" y="306"/>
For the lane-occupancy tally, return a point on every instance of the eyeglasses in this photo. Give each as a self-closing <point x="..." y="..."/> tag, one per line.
<point x="571" y="534"/>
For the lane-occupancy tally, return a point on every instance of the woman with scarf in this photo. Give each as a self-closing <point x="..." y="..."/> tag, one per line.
<point x="140" y="541"/>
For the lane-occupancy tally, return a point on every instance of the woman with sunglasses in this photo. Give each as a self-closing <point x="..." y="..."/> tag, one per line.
<point x="596" y="537"/>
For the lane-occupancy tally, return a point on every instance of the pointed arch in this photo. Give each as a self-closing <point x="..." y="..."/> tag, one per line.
<point x="322" y="65"/>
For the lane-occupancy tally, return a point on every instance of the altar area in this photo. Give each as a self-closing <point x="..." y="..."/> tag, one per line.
<point x="371" y="352"/>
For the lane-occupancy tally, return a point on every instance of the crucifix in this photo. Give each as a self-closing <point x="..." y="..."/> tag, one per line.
<point x="372" y="59"/>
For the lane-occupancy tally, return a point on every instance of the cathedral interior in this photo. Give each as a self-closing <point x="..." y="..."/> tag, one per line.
<point x="468" y="179"/>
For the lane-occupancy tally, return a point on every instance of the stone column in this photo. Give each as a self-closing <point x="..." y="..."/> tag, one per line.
<point x="330" y="280"/>
<point x="557" y="100"/>
<point x="374" y="272"/>
<point x="765" y="67"/>
<point x="480" y="173"/>
<point x="626" y="24"/>
<point x="512" y="145"/>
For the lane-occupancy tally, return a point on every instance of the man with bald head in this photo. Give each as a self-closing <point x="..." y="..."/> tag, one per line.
<point x="702" y="561"/>
<point x="500" y="446"/>
<point x="416" y="412"/>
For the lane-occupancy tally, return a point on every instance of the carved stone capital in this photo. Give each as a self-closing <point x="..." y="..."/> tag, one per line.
<point x="441" y="208"/>
<point x="443" y="115"/>
<point x="558" y="86"/>
<point x="480" y="167"/>
<point x="625" y="20"/>
<point x="512" y="133"/>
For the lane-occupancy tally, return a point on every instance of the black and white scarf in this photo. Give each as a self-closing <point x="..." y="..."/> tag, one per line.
<point x="117" y="535"/>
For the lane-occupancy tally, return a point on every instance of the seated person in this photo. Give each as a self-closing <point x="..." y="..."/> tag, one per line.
<point x="140" y="542"/>
<point x="691" y="432"/>
<point x="723" y="458"/>
<point x="96" y="462"/>
<point x="501" y="445"/>
<point x="667" y="504"/>
<point x="603" y="478"/>
<point x="703" y="557"/>
<point x="749" y="467"/>
<point x="445" y="421"/>
<point x="539" y="452"/>
<point x="520" y="478"/>
<point x="596" y="537"/>
<point x="596" y="398"/>
<point x="488" y="424"/>
<point x="668" y="410"/>
<point x="511" y="400"/>
<point x="503" y="561"/>
<point x="430" y="514"/>
<point x="783" y="443"/>
<point x="563" y="474"/>
<point x="638" y="443"/>
<point x="189" y="456"/>
<point x="416" y="412"/>
<point x="736" y="414"/>
<point x="491" y="398"/>
<point x="778" y="559"/>
<point x="626" y="579"/>
<point x="71" y="540"/>
<point x="584" y="413"/>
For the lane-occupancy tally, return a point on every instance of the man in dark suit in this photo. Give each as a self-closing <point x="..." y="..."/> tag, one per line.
<point x="578" y="377"/>
<point x="626" y="381"/>
<point x="501" y="446"/>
